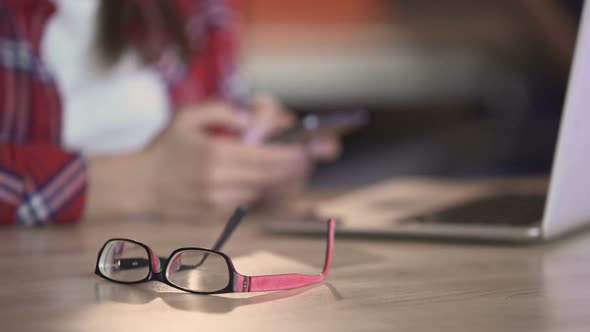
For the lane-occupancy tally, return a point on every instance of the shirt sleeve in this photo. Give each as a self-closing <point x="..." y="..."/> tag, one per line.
<point x="40" y="183"/>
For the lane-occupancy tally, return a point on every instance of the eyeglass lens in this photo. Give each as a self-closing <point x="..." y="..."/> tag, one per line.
<point x="198" y="271"/>
<point x="124" y="261"/>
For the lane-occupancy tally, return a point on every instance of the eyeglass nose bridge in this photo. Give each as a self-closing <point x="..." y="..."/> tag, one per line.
<point x="158" y="269"/>
<point x="156" y="265"/>
<point x="157" y="276"/>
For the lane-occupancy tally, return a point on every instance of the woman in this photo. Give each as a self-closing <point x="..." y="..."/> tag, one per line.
<point x="132" y="108"/>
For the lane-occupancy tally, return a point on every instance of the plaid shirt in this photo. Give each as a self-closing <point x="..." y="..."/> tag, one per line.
<point x="42" y="182"/>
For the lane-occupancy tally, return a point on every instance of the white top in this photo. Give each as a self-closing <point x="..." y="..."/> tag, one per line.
<point x="114" y="110"/>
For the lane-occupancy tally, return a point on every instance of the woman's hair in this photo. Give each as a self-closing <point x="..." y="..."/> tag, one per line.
<point x="148" y="25"/>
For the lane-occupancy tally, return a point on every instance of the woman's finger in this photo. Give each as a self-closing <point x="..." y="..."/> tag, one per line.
<point x="324" y="148"/>
<point x="216" y="117"/>
<point x="268" y="117"/>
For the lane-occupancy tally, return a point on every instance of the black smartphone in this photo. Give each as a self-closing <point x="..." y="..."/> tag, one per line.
<point x="317" y="124"/>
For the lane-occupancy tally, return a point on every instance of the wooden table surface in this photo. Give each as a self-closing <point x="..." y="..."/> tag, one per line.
<point x="47" y="284"/>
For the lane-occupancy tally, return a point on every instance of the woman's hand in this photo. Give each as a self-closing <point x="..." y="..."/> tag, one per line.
<point x="270" y="117"/>
<point x="197" y="172"/>
<point x="187" y="173"/>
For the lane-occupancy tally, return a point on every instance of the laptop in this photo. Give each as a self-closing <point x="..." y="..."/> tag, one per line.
<point x="513" y="209"/>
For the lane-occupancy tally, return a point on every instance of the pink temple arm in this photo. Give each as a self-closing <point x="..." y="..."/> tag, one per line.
<point x="288" y="281"/>
<point x="282" y="281"/>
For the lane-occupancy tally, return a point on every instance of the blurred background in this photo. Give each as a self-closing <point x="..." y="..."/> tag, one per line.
<point x="454" y="87"/>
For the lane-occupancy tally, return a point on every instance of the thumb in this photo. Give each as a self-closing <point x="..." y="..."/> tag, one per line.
<point x="214" y="117"/>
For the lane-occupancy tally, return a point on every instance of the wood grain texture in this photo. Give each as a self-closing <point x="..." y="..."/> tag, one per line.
<point x="47" y="284"/>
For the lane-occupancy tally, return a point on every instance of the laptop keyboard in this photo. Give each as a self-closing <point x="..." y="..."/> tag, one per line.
<point x="517" y="210"/>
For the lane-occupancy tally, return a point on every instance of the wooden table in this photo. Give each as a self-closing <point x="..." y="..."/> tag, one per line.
<point x="47" y="284"/>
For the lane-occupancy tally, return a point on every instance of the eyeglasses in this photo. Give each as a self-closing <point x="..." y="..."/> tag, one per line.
<point x="197" y="270"/>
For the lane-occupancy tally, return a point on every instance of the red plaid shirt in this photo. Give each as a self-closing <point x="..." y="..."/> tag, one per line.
<point x="42" y="182"/>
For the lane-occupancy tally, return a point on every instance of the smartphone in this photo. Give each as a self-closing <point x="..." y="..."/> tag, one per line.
<point x="317" y="124"/>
